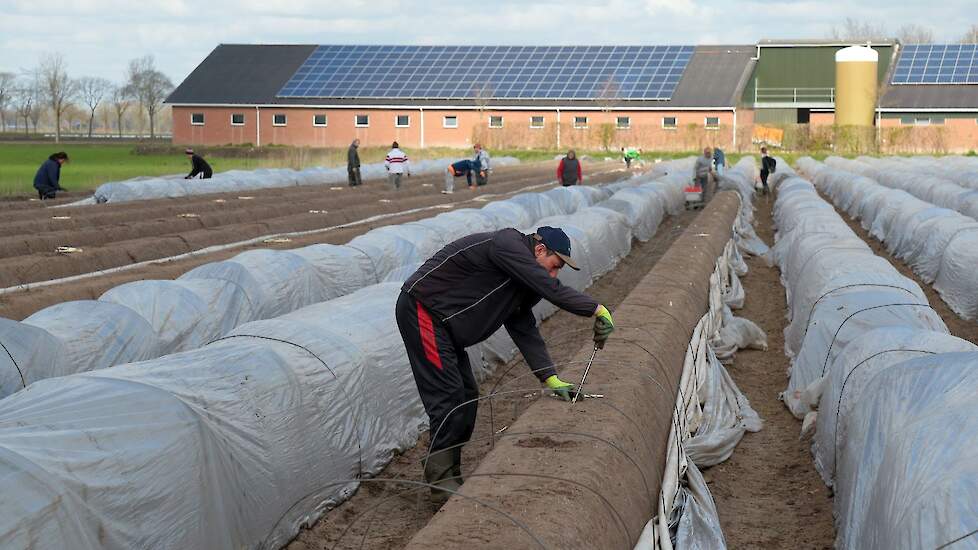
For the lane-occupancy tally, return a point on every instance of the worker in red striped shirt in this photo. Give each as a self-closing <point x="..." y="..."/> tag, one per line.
<point x="396" y="164"/>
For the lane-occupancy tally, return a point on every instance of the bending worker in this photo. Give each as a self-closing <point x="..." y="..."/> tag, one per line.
<point x="198" y="166"/>
<point x="47" y="180"/>
<point x="462" y="295"/>
<point x="457" y="170"/>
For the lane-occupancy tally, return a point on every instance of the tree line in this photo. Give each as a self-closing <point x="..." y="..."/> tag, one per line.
<point x="854" y="30"/>
<point x="48" y="91"/>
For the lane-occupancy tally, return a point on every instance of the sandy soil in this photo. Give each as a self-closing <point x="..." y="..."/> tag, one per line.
<point x="384" y="515"/>
<point x="768" y="494"/>
<point x="111" y="235"/>
<point x="47" y="265"/>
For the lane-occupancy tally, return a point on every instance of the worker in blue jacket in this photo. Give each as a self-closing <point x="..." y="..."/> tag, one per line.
<point x="48" y="177"/>
<point x="457" y="170"/>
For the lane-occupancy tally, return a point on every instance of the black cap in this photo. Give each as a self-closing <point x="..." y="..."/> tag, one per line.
<point x="557" y="241"/>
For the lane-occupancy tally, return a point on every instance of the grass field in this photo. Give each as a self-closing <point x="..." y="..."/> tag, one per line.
<point x="94" y="164"/>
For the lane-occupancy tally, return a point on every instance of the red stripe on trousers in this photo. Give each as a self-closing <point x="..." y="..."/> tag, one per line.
<point x="428" y="337"/>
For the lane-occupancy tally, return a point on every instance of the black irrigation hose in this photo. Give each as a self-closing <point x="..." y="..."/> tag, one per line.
<point x="23" y="382"/>
<point x="815" y="304"/>
<point x="828" y="353"/>
<point x="608" y="404"/>
<point x="831" y="247"/>
<point x="373" y="264"/>
<point x="316" y="357"/>
<point x="957" y="540"/>
<point x="842" y="391"/>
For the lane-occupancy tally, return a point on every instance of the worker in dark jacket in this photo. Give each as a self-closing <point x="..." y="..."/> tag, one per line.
<point x="569" y="170"/>
<point x="460" y="297"/>
<point x="768" y="166"/>
<point x="353" y="164"/>
<point x="198" y="166"/>
<point x="47" y="180"/>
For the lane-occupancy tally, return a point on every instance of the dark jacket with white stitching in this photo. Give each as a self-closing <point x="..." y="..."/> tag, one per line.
<point x="487" y="280"/>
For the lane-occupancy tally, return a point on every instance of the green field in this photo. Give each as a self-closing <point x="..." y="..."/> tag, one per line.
<point x="94" y="164"/>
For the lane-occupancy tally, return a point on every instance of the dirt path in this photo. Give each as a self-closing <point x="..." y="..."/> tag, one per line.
<point x="46" y="266"/>
<point x="383" y="516"/>
<point x="768" y="494"/>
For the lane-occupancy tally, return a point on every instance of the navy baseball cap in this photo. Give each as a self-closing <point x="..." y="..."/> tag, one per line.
<point x="557" y="241"/>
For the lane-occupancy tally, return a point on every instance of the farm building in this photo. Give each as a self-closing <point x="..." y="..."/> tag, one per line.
<point x="655" y="97"/>
<point x="454" y="96"/>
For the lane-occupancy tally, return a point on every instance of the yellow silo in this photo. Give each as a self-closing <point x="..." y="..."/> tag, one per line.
<point x="855" y="86"/>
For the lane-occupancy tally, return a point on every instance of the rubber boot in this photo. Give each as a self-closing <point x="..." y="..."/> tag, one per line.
<point x="439" y="471"/>
<point x="457" y="465"/>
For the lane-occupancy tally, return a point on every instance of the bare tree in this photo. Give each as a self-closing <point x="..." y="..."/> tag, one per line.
<point x="120" y="99"/>
<point x="91" y="91"/>
<point x="915" y="34"/>
<point x="853" y="30"/>
<point x="23" y="102"/>
<point x="7" y="82"/>
<point x="971" y="35"/>
<point x="59" y="89"/>
<point x="26" y="98"/>
<point x="149" y="86"/>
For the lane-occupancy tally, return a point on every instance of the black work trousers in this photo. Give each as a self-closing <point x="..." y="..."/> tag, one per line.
<point x="442" y="373"/>
<point x="46" y="192"/>
<point x="353" y="175"/>
<point x="764" y="175"/>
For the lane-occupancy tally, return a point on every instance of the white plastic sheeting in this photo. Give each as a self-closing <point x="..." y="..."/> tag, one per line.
<point x="908" y="477"/>
<point x="710" y="418"/>
<point x="878" y="377"/>
<point x="144" y="188"/>
<point x="145" y="319"/>
<point x="234" y="445"/>
<point x="711" y="415"/>
<point x="938" y="242"/>
<point x="740" y="178"/>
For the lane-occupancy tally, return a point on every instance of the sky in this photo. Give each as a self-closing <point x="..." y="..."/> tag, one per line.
<point x="99" y="37"/>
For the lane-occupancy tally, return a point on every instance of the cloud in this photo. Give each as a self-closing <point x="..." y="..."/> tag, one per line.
<point x="99" y="37"/>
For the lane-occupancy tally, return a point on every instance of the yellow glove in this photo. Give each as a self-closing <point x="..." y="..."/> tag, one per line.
<point x="603" y="326"/>
<point x="560" y="388"/>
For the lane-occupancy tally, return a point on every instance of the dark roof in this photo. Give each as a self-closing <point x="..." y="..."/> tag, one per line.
<point x="253" y="74"/>
<point x="240" y="73"/>
<point x="715" y="77"/>
<point x="930" y="96"/>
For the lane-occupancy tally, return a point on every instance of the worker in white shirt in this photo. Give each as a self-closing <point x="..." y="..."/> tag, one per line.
<point x="396" y="164"/>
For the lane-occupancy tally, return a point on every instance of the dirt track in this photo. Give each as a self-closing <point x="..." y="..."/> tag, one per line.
<point x="107" y="228"/>
<point x="386" y="515"/>
<point x="768" y="493"/>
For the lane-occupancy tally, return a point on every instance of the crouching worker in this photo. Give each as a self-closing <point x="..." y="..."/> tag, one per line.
<point x="457" y="170"/>
<point x="459" y="297"/>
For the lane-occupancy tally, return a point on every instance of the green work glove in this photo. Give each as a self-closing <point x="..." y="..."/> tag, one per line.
<point x="603" y="326"/>
<point x="560" y="388"/>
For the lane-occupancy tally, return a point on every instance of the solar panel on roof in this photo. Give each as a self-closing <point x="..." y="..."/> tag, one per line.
<point x="937" y="64"/>
<point x="497" y="72"/>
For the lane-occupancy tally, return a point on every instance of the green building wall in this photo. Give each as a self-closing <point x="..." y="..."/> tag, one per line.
<point x="802" y="67"/>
